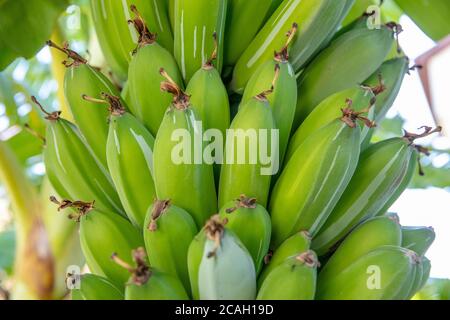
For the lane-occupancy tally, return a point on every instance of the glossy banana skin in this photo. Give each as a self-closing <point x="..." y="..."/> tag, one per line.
<point x="130" y="145"/>
<point x="244" y="19"/>
<point x="101" y="235"/>
<point x="343" y="73"/>
<point x="313" y="181"/>
<point x="93" y="287"/>
<point x="246" y="178"/>
<point x="117" y="38"/>
<point x="418" y="239"/>
<point x="368" y="236"/>
<point x="397" y="269"/>
<point x="330" y="109"/>
<point x="167" y="240"/>
<point x="292" y="246"/>
<point x="392" y="72"/>
<point x="160" y="286"/>
<point x="291" y="280"/>
<point x="380" y="171"/>
<point x="257" y="238"/>
<point x="189" y="185"/>
<point x="282" y="100"/>
<point x="91" y="119"/>
<point x="74" y="171"/>
<point x="229" y="274"/>
<point x="195" y="24"/>
<point x="148" y="102"/>
<point x="316" y="20"/>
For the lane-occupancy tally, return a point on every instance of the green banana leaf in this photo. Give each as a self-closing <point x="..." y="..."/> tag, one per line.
<point x="436" y="289"/>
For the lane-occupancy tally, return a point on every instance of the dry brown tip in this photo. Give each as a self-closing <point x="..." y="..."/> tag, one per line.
<point x="139" y="274"/>
<point x="263" y="95"/>
<point x="159" y="207"/>
<point x="283" y="54"/>
<point x="115" y="106"/>
<point x="209" y="64"/>
<point x="75" y="58"/>
<point x="82" y="208"/>
<point x="145" y="36"/>
<point x="214" y="229"/>
<point x="180" y="99"/>
<point x="309" y="259"/>
<point x="51" y="116"/>
<point x="414" y="258"/>
<point x="350" y="116"/>
<point x="394" y="217"/>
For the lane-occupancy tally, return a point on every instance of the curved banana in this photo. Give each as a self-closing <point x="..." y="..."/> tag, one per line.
<point x="101" y="235"/>
<point x="279" y="74"/>
<point x="93" y="287"/>
<point x="117" y="38"/>
<point x="244" y="19"/>
<point x="314" y="178"/>
<point x="293" y="279"/>
<point x="195" y="23"/>
<point x="373" y="47"/>
<point x="418" y="239"/>
<point x="245" y="212"/>
<point x="72" y="168"/>
<point x="181" y="174"/>
<point x="148" y="102"/>
<point x="381" y="170"/>
<point x="316" y="19"/>
<point x="357" y="98"/>
<point x="168" y="232"/>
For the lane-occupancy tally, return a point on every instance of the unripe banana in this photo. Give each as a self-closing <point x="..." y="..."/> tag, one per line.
<point x="72" y="168"/>
<point x="244" y="171"/>
<point x="93" y="287"/>
<point x="314" y="178"/>
<point x="244" y="19"/>
<point x="418" y="239"/>
<point x="291" y="247"/>
<point x="117" y="38"/>
<point x="280" y="74"/>
<point x="148" y="103"/>
<point x="357" y="98"/>
<point x="381" y="274"/>
<point x="373" y="47"/>
<point x="82" y="79"/>
<point x="316" y="20"/>
<point x="186" y="180"/>
<point x="101" y="235"/>
<point x="380" y="171"/>
<point x="147" y="283"/>
<point x="168" y="232"/>
<point x="415" y="284"/>
<point x="220" y="267"/>
<point x="195" y="22"/>
<point x="241" y="214"/>
<point x="425" y="272"/>
<point x="294" y="279"/>
<point x="368" y="236"/>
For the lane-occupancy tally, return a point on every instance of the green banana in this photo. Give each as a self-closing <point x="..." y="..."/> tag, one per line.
<point x="72" y="168"/>
<point x="101" y="235"/>
<point x="368" y="236"/>
<point x="357" y="98"/>
<point x="314" y="178"/>
<point x="148" y="103"/>
<point x="418" y="239"/>
<point x="388" y="77"/>
<point x="382" y="274"/>
<point x="425" y="272"/>
<point x="245" y="212"/>
<point x="225" y="269"/>
<point x="293" y="279"/>
<point x="244" y="170"/>
<point x="430" y="16"/>
<point x="186" y="180"/>
<point x="244" y="19"/>
<point x="195" y="23"/>
<point x="357" y="9"/>
<point x="81" y="78"/>
<point x="316" y="20"/>
<point x="373" y="47"/>
<point x="381" y="170"/>
<point x="117" y="39"/>
<point x="147" y="283"/>
<point x="93" y="287"/>
<point x="291" y="247"/>
<point x="168" y="232"/>
<point x="129" y="143"/>
<point x="417" y="281"/>
<point x="283" y="99"/>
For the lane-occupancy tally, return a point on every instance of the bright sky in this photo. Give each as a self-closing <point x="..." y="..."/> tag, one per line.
<point x="430" y="207"/>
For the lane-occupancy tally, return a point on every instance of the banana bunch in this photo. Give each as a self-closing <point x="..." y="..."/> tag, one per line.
<point x="184" y="189"/>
